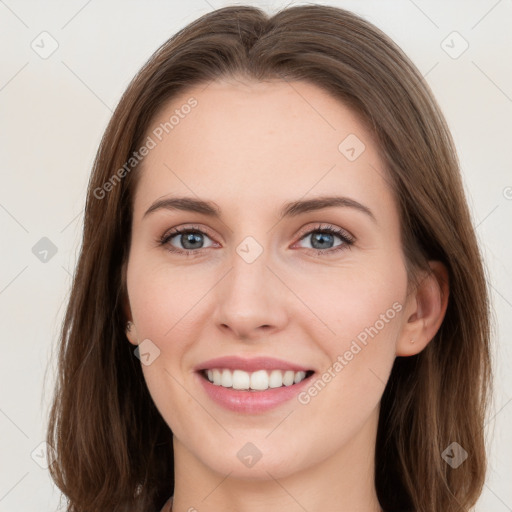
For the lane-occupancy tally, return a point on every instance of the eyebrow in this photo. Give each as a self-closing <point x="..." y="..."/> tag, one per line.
<point x="291" y="209"/>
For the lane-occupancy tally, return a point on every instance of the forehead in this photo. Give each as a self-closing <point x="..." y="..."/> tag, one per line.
<point x="252" y="140"/>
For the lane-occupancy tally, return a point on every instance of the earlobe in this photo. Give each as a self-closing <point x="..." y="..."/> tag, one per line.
<point x="129" y="326"/>
<point x="130" y="333"/>
<point x="426" y="311"/>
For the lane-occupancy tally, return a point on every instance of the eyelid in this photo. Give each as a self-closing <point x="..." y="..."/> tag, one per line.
<point x="347" y="238"/>
<point x="321" y="226"/>
<point x="187" y="227"/>
<point x="302" y="232"/>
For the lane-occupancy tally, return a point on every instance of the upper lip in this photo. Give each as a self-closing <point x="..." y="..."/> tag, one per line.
<point x="250" y="365"/>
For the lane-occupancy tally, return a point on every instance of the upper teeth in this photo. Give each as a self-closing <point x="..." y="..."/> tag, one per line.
<point x="259" y="380"/>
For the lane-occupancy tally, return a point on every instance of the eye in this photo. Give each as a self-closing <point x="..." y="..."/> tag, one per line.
<point x="191" y="240"/>
<point x="322" y="237"/>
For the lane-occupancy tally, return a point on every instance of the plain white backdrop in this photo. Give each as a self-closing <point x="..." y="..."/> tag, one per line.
<point x="64" y="66"/>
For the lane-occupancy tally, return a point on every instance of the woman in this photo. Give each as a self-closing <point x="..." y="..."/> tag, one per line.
<point x="280" y="303"/>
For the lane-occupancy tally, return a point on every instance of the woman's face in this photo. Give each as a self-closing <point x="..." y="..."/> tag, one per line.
<point x="265" y="278"/>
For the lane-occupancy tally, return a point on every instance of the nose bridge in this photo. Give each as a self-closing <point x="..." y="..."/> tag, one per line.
<point x="248" y="299"/>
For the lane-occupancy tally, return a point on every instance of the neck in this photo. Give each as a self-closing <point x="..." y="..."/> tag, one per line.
<point x="344" y="482"/>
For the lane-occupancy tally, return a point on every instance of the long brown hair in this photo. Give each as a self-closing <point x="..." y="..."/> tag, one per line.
<point x="114" y="450"/>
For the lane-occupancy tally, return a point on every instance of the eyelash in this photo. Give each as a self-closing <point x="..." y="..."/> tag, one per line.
<point x="347" y="239"/>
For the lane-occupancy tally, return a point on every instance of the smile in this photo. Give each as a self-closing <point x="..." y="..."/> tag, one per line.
<point x="251" y="385"/>
<point x="259" y="380"/>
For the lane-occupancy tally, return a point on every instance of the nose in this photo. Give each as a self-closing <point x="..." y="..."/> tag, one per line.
<point x="251" y="301"/>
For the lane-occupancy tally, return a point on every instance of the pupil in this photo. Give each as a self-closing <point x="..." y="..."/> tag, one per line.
<point x="321" y="238"/>
<point x="194" y="238"/>
<point x="190" y="238"/>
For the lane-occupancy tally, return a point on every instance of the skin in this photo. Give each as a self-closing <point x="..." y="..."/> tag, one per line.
<point x="250" y="147"/>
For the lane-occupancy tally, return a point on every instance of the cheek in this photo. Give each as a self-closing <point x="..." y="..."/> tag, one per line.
<point x="162" y="301"/>
<point x="360" y="314"/>
<point x="166" y="305"/>
<point x="353" y="303"/>
<point x="366" y="322"/>
<point x="162" y="298"/>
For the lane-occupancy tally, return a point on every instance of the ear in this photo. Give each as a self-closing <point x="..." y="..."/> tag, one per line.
<point x="132" y="333"/>
<point x="425" y="310"/>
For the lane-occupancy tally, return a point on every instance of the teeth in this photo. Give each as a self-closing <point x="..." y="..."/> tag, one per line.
<point x="226" y="380"/>
<point x="298" y="377"/>
<point x="258" y="381"/>
<point x="241" y="380"/>
<point x="288" y="378"/>
<point x="276" y="379"/>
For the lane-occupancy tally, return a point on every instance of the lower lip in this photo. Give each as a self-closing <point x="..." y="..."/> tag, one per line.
<point x="251" y="401"/>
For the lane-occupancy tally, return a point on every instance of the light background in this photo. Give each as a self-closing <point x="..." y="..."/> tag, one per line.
<point x="53" y="112"/>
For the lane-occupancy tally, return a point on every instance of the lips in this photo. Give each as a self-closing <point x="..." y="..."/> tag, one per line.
<point x="252" y="396"/>
<point x="250" y="365"/>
